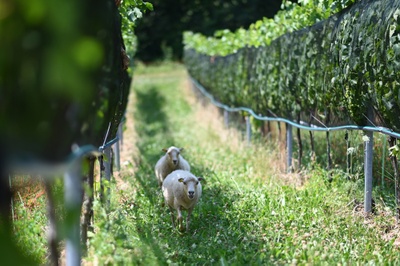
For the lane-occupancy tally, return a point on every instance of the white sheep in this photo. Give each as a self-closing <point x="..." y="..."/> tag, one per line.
<point x="172" y="160"/>
<point x="182" y="190"/>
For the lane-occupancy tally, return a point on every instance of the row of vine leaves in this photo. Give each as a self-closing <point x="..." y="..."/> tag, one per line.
<point x="335" y="61"/>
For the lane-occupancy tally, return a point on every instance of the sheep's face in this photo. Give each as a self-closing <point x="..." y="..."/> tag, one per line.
<point x="173" y="154"/>
<point x="190" y="185"/>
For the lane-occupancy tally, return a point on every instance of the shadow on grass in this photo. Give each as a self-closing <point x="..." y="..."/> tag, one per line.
<point x="152" y="125"/>
<point x="215" y="228"/>
<point x="150" y="113"/>
<point x="153" y="129"/>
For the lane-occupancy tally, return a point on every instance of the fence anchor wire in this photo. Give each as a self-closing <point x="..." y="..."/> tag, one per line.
<point x="369" y="120"/>
<point x="319" y="121"/>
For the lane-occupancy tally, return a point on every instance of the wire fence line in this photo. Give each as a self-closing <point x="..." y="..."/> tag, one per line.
<point x="368" y="141"/>
<point x="71" y="170"/>
<point x="335" y="68"/>
<point x="301" y="125"/>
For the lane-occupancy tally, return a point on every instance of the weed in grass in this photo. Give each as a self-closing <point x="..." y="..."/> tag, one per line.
<point x="30" y="220"/>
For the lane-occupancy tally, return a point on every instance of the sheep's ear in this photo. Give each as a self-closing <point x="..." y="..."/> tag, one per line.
<point x="164" y="150"/>
<point x="201" y="179"/>
<point x="181" y="149"/>
<point x="180" y="179"/>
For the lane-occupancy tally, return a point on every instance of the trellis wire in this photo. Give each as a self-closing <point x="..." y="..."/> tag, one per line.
<point x="302" y="125"/>
<point x="368" y="149"/>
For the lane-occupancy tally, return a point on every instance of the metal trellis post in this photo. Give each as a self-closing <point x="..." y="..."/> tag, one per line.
<point x="117" y="148"/>
<point x="248" y="130"/>
<point x="107" y="172"/>
<point x="383" y="160"/>
<point x="12" y="201"/>
<point x="73" y="201"/>
<point x="368" y="156"/>
<point x="226" y="118"/>
<point x="289" y="147"/>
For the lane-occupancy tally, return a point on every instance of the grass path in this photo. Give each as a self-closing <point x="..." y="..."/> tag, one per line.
<point x="250" y="213"/>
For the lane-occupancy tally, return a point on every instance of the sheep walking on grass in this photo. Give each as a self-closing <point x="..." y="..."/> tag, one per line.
<point x="182" y="190"/>
<point x="172" y="160"/>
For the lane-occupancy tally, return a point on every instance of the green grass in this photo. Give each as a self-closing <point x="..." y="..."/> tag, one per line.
<point x="250" y="212"/>
<point x="28" y="243"/>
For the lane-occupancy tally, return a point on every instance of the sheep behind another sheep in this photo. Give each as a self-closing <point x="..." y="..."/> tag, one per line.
<point x="182" y="190"/>
<point x="172" y="160"/>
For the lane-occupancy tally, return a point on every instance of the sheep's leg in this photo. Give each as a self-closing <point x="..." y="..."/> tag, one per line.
<point x="188" y="219"/>
<point x="172" y="216"/>
<point x="180" y="218"/>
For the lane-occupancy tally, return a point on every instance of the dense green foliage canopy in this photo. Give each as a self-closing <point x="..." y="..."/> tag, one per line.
<point x="346" y="66"/>
<point x="132" y="11"/>
<point x="291" y="17"/>
<point x="62" y="80"/>
<point x="160" y="32"/>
